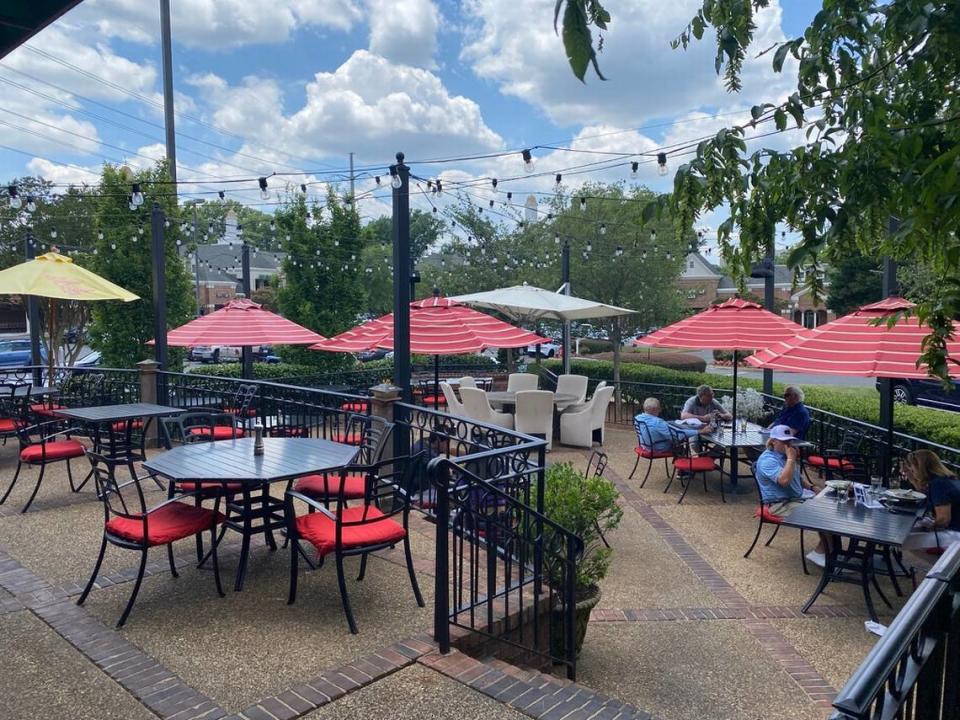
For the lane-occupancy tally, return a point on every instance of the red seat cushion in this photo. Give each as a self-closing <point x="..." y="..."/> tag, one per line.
<point x="121" y="426"/>
<point x="324" y="486"/>
<point x="356" y="407"/>
<point x="321" y="531"/>
<point x="695" y="464"/>
<point x="9" y="425"/>
<point x="220" y="432"/>
<point x="652" y="454"/>
<point x="249" y="412"/>
<point x="168" y="524"/>
<point x="46" y="408"/>
<point x="767" y="515"/>
<point x="833" y="463"/>
<point x="430" y="400"/>
<point x="56" y="450"/>
<point x="347" y="438"/>
<point x="230" y="487"/>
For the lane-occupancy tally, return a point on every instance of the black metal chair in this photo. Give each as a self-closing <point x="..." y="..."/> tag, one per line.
<point x="646" y="449"/>
<point x="13" y="408"/>
<point x="44" y="444"/>
<point x="201" y="426"/>
<point x="831" y="462"/>
<point x="596" y="465"/>
<point x="765" y="516"/>
<point x="241" y="405"/>
<point x="130" y="524"/>
<point x="378" y="523"/>
<point x="686" y="466"/>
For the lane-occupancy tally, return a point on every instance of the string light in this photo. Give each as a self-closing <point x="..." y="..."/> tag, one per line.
<point x="619" y="251"/>
<point x="493" y="181"/>
<point x="264" y="192"/>
<point x="136" y="197"/>
<point x="527" y="161"/>
<point x="15" y="201"/>
<point x="603" y="228"/>
<point x="556" y="238"/>
<point x="31" y="204"/>
<point x="583" y="203"/>
<point x="661" y="163"/>
<point x="559" y="178"/>
<point x="221" y="194"/>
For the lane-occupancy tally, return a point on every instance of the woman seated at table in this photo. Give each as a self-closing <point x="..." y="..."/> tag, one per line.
<point x="781" y="485"/>
<point x="927" y="473"/>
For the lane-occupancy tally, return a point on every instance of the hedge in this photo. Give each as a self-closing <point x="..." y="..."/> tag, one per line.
<point x="858" y="403"/>
<point x="261" y="371"/>
<point x="676" y="361"/>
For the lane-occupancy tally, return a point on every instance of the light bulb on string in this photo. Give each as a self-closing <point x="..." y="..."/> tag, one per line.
<point x="559" y="178"/>
<point x="376" y="179"/>
<point x="140" y="230"/>
<point x="556" y="238"/>
<point x="619" y="251"/>
<point x="136" y="198"/>
<point x="99" y="234"/>
<point x="653" y="236"/>
<point x="395" y="182"/>
<point x="113" y="246"/>
<point x="661" y="163"/>
<point x="634" y="168"/>
<point x="589" y="246"/>
<point x="603" y="228"/>
<point x="221" y="194"/>
<point x="53" y="233"/>
<point x="15" y="201"/>
<point x="527" y="161"/>
<point x="31" y="204"/>
<point x="264" y="191"/>
<point x="583" y="203"/>
<point x="130" y="203"/>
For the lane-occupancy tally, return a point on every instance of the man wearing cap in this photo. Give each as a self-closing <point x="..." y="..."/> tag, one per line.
<point x="778" y="474"/>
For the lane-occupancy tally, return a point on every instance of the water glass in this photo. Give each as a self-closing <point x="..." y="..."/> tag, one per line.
<point x="876" y="485"/>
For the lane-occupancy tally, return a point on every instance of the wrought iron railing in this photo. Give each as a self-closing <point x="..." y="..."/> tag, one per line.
<point x="80" y="387"/>
<point x="359" y="381"/>
<point x="914" y="669"/>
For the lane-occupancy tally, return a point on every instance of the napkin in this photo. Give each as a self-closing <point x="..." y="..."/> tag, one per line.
<point x="863" y="497"/>
<point x="876" y="628"/>
<point x="692" y="422"/>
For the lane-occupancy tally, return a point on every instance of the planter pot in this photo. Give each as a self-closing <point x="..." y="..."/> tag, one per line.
<point x="585" y="604"/>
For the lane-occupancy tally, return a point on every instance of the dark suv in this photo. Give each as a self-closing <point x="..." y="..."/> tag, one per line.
<point x="926" y="392"/>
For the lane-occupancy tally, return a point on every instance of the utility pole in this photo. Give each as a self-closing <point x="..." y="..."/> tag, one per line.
<point x="353" y="193"/>
<point x="167" y="52"/>
<point x="565" y="285"/>
<point x="33" y="316"/>
<point x="400" y="181"/>
<point x="766" y="269"/>
<point x="246" y="351"/>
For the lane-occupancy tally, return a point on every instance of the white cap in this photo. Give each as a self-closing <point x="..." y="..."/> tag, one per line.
<point x="781" y="432"/>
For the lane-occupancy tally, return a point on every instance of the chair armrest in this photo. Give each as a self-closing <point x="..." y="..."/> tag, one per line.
<point x="292" y="495"/>
<point x="51" y="436"/>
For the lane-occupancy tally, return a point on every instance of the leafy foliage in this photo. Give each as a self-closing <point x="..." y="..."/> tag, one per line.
<point x="584" y="506"/>
<point x="854" y="281"/>
<point x="578" y="16"/>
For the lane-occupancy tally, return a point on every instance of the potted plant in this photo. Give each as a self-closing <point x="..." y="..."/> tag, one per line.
<point x="587" y="507"/>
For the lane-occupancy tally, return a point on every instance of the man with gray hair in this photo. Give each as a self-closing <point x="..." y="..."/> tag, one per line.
<point x="657" y="435"/>
<point x="704" y="407"/>
<point x="794" y="413"/>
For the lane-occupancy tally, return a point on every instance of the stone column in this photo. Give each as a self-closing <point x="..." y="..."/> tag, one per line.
<point x="148" y="394"/>
<point x="383" y="397"/>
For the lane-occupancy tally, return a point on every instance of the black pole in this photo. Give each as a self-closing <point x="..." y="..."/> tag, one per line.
<point x="33" y="318"/>
<point x="401" y="277"/>
<point x="736" y="356"/>
<point x="436" y="382"/>
<point x="246" y="352"/>
<point x="565" y="282"/>
<point x="159" y="257"/>
<point x="168" y="119"/>
<point x="889" y="287"/>
<point x="768" y="297"/>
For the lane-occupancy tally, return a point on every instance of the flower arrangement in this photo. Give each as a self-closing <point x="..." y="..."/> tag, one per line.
<point x="749" y="404"/>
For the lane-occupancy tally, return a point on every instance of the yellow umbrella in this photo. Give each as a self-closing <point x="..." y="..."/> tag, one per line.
<point x="55" y="276"/>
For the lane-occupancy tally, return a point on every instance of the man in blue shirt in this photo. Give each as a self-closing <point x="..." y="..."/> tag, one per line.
<point x="655" y="433"/>
<point x="794" y="413"/>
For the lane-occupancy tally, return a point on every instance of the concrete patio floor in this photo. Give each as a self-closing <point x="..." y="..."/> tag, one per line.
<point x="686" y="628"/>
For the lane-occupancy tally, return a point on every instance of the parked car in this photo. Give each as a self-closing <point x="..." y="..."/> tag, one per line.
<point x="213" y="353"/>
<point x="91" y="359"/>
<point x="547" y="350"/>
<point x="926" y="392"/>
<point x="16" y="352"/>
<point x="375" y="354"/>
<point x="264" y="353"/>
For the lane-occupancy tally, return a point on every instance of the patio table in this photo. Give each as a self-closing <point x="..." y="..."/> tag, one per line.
<point x="118" y="443"/>
<point x="505" y="397"/>
<point x="35" y="391"/>
<point x="233" y="461"/>
<point x="869" y="531"/>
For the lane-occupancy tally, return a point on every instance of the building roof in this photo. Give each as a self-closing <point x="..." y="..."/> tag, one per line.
<point x="782" y="275"/>
<point x="702" y="268"/>
<point x="213" y="275"/>
<point x="228" y="256"/>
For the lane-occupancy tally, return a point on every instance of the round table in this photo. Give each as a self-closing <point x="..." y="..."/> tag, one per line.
<point x="505" y="397"/>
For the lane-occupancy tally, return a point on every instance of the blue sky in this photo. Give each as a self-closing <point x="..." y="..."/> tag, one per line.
<point x="294" y="85"/>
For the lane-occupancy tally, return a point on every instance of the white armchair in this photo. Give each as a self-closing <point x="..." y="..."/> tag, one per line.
<point x="454" y="406"/>
<point x="477" y="407"/>
<point x="575" y="385"/>
<point x="468" y="382"/>
<point x="534" y="415"/>
<point x="518" y="382"/>
<point x="582" y="427"/>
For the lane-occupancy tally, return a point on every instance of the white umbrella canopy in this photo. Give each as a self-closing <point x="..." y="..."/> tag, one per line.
<point x="525" y="302"/>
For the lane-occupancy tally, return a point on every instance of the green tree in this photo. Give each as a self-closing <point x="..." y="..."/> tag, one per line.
<point x="854" y="280"/>
<point x="121" y="330"/>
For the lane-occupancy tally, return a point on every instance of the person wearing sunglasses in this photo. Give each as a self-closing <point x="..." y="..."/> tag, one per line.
<point x="794" y="413"/>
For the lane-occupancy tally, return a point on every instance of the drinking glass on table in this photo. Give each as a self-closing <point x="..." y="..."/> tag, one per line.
<point x="876" y="485"/>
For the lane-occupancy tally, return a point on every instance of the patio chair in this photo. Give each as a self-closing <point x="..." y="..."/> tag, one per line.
<point x="517" y="382"/>
<point x="646" y="449"/>
<point x="687" y="465"/>
<point x="44" y="444"/>
<point x="454" y="406"/>
<point x="468" y="382"/>
<point x="765" y="516"/>
<point x="583" y="427"/>
<point x="129" y="523"/>
<point x="534" y="414"/>
<point x="575" y="385"/>
<point x="240" y="404"/>
<point x="477" y="407"/>
<point x="379" y="523"/>
<point x="430" y="395"/>
<point x="13" y="408"/>
<point x="200" y="426"/>
<point x="833" y="461"/>
<point x="596" y="464"/>
<point x="375" y="434"/>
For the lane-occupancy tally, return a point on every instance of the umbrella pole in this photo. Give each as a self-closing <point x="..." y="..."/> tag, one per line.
<point x="734" y="390"/>
<point x="436" y="382"/>
<point x="51" y="349"/>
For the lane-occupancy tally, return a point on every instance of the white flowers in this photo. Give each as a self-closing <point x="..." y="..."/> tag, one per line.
<point x="749" y="404"/>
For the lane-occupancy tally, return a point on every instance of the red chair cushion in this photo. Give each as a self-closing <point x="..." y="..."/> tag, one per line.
<point x="652" y="454"/>
<point x="46" y="409"/>
<point x="249" y="412"/>
<point x="356" y="407"/>
<point x="833" y="463"/>
<point x="220" y="432"/>
<point x="121" y="426"/>
<point x="347" y="438"/>
<point x="9" y="425"/>
<point x="210" y="486"/>
<point x="168" y="524"/>
<point x="695" y="464"/>
<point x="328" y="486"/>
<point x="56" y="450"/>
<point x="321" y="531"/>
<point x="430" y="399"/>
<point x="768" y="516"/>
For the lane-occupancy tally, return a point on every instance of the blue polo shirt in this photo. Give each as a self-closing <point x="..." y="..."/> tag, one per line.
<point x="796" y="417"/>
<point x="662" y="434"/>
<point x="946" y="491"/>
<point x="768" y="468"/>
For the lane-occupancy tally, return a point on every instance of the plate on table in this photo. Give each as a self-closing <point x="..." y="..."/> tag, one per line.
<point x="904" y="495"/>
<point x="839" y="485"/>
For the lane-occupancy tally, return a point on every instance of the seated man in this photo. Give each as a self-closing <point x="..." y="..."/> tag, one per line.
<point x="659" y="432"/>
<point x="703" y="407"/>
<point x="794" y="413"/>
<point x="778" y="474"/>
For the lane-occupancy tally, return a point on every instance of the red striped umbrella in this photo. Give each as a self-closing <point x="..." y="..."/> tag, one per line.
<point x="241" y="322"/>
<point x="856" y="345"/>
<point x="734" y="324"/>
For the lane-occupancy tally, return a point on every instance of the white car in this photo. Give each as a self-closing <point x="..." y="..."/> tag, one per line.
<point x="214" y="353"/>
<point x="547" y="349"/>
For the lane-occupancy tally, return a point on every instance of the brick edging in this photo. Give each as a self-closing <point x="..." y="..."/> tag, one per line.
<point x="753" y="612"/>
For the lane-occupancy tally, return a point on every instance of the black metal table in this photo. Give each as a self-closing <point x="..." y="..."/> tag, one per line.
<point x="868" y="530"/>
<point x="35" y="391"/>
<point x="119" y="443"/>
<point x="233" y="461"/>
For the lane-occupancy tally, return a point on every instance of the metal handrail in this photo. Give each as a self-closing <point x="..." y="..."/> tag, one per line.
<point x="915" y="667"/>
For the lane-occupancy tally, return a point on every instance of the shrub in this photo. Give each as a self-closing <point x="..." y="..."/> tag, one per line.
<point x="727" y="355"/>
<point x="588" y="346"/>
<point x="261" y="371"/>
<point x="677" y="361"/>
<point x="858" y="403"/>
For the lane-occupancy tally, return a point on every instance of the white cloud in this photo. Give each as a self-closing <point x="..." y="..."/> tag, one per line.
<point x="217" y="24"/>
<point x="512" y="43"/>
<point x="404" y="31"/>
<point x="62" y="173"/>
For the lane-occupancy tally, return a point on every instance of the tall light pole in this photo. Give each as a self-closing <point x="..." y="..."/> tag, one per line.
<point x="400" y="182"/>
<point x="565" y="284"/>
<point x="167" y="53"/>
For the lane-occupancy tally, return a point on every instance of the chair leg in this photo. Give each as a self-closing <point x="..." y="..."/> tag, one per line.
<point x="685" y="486"/>
<point x="363" y="567"/>
<point x="755" y="538"/>
<point x="35" y="488"/>
<point x="294" y="568"/>
<point x="173" y="564"/>
<point x="410" y="571"/>
<point x="647" y="473"/>
<point x="216" y="563"/>
<point x="635" y="465"/>
<point x="342" y="582"/>
<point x="12" y="483"/>
<point x="803" y="554"/>
<point x="83" y="482"/>
<point x="136" y="589"/>
<point x="93" y="575"/>
<point x="776" y="529"/>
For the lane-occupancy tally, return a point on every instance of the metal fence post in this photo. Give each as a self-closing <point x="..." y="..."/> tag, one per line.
<point x="149" y="392"/>
<point x="441" y="588"/>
